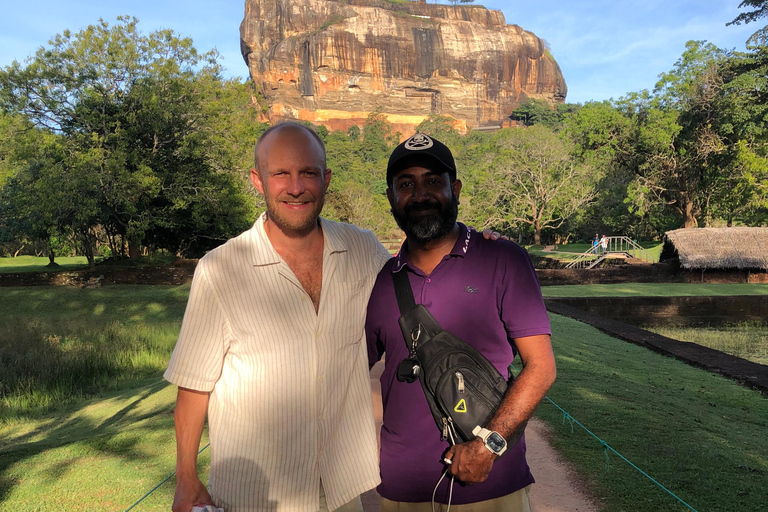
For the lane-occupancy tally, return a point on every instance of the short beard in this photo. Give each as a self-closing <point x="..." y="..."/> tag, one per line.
<point x="426" y="228"/>
<point x="292" y="227"/>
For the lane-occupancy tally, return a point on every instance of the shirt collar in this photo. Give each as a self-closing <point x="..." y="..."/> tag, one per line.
<point x="460" y="248"/>
<point x="263" y="253"/>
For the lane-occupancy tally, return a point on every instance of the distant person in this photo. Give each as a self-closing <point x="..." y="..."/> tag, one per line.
<point x="485" y="293"/>
<point x="595" y="243"/>
<point x="604" y="244"/>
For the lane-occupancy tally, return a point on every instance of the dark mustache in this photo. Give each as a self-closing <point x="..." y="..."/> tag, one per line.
<point x="425" y="206"/>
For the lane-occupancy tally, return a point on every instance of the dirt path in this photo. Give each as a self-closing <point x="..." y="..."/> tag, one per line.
<point x="556" y="489"/>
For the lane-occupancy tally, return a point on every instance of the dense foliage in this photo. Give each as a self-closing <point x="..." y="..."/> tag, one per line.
<point x="123" y="141"/>
<point x="115" y="143"/>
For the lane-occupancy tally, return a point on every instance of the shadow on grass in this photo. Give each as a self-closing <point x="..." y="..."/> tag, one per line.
<point x="93" y="432"/>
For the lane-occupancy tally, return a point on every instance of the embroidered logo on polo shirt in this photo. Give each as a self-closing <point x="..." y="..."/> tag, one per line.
<point x="471" y="289"/>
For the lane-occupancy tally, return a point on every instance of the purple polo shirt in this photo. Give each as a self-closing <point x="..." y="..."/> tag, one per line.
<point x="485" y="292"/>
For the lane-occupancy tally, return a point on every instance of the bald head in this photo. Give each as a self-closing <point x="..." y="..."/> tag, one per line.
<point x="292" y="128"/>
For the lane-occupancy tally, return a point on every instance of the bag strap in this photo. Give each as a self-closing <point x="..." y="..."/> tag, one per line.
<point x="403" y="291"/>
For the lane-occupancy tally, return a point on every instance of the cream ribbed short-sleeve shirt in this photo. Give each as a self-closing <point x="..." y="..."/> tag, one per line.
<point x="290" y="399"/>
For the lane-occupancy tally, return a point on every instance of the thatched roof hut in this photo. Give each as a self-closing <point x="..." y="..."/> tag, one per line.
<point x="718" y="248"/>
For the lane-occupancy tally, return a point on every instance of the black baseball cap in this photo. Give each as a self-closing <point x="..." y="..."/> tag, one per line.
<point x="423" y="151"/>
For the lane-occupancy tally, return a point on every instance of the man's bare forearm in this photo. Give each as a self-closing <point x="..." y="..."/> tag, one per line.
<point x="530" y="387"/>
<point x="471" y="461"/>
<point x="189" y="419"/>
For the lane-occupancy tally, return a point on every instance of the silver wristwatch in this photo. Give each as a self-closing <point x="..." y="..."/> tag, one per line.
<point x="491" y="439"/>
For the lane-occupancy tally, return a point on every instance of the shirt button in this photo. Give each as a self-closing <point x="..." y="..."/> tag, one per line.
<point x="303" y="298"/>
<point x="320" y="377"/>
<point x="429" y="280"/>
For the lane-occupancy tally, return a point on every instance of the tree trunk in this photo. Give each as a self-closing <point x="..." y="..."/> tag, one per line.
<point x="51" y="257"/>
<point x="690" y="217"/>
<point x="20" y="248"/>
<point x="536" y="233"/>
<point x="134" y="249"/>
<point x="88" y="248"/>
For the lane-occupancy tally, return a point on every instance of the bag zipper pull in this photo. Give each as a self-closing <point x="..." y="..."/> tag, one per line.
<point x="445" y="430"/>
<point x="461" y="381"/>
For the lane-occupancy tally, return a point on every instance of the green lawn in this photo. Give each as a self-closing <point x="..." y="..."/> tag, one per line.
<point x="699" y="434"/>
<point x="59" y="344"/>
<point x="654" y="290"/>
<point x="35" y="264"/>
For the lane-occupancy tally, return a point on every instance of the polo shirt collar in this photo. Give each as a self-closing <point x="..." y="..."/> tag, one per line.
<point x="263" y="253"/>
<point x="460" y="248"/>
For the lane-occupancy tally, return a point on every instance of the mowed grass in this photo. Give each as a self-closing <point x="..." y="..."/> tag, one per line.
<point x="59" y="344"/>
<point x="655" y="290"/>
<point x="747" y="340"/>
<point x="700" y="435"/>
<point x="86" y="416"/>
<point x="102" y="454"/>
<point x="40" y="264"/>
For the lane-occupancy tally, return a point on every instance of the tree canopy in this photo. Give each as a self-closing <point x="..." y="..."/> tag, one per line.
<point x="131" y="157"/>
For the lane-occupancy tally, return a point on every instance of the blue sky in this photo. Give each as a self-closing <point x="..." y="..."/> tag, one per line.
<point x="605" y="48"/>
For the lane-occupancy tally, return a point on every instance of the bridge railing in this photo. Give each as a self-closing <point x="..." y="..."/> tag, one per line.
<point x="615" y="245"/>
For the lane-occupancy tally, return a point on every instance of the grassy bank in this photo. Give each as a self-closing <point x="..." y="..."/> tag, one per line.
<point x="59" y="344"/>
<point x="700" y="435"/>
<point x="747" y="340"/>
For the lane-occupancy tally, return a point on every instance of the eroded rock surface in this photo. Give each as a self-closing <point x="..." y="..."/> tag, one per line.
<point x="334" y="61"/>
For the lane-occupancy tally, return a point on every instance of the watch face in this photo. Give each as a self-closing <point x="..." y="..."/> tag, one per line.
<point x="496" y="442"/>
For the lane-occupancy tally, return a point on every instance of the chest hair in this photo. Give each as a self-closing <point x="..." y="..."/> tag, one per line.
<point x="308" y="269"/>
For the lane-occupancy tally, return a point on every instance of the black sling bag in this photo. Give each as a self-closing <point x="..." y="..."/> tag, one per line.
<point x="463" y="389"/>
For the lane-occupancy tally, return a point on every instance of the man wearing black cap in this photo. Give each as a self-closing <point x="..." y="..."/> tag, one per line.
<point x="487" y="294"/>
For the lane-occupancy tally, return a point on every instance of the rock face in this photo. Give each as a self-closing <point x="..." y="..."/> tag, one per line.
<point x="332" y="62"/>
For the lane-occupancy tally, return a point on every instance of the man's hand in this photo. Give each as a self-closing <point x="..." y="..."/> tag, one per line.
<point x="190" y="492"/>
<point x="471" y="461"/>
<point x="489" y="234"/>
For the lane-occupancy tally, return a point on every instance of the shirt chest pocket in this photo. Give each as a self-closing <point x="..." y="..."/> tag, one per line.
<point x="346" y="312"/>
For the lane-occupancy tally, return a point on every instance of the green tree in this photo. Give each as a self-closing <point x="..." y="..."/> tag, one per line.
<point x="534" y="180"/>
<point x="137" y="117"/>
<point x="677" y="142"/>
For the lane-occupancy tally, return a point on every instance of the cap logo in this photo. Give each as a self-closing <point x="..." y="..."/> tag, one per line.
<point x="418" y="142"/>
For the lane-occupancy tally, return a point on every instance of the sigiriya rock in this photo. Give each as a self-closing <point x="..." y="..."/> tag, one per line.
<point x="332" y="62"/>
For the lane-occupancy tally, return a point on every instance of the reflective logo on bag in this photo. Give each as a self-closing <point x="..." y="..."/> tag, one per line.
<point x="461" y="406"/>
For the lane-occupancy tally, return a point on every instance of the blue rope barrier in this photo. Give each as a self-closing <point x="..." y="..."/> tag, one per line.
<point x="161" y="483"/>
<point x="607" y="448"/>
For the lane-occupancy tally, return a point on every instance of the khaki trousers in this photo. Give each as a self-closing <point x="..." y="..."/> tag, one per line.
<point x="353" y="506"/>
<point x="515" y="502"/>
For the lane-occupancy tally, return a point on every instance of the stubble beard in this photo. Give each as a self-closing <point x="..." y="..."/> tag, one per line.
<point x="295" y="224"/>
<point x="426" y="228"/>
